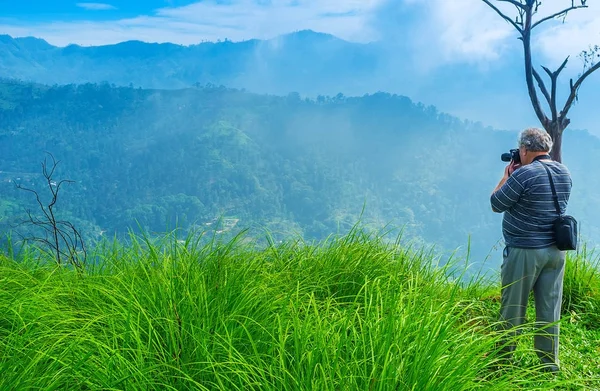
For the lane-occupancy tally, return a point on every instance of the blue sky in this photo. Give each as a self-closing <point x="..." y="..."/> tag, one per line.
<point x="61" y="22"/>
<point x="50" y="10"/>
<point x="437" y="31"/>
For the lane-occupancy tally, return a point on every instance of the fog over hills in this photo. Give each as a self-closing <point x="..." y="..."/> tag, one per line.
<point x="306" y="62"/>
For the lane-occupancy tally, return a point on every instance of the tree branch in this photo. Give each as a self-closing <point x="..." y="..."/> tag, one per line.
<point x="515" y="3"/>
<point x="40" y="240"/>
<point x="553" y="77"/>
<point x="558" y="14"/>
<point x="60" y="183"/>
<point x="509" y="20"/>
<point x="45" y="166"/>
<point x="562" y="66"/>
<point x="37" y="198"/>
<point x="526" y="38"/>
<point x="37" y="222"/>
<point x="574" y="88"/>
<point x="542" y="86"/>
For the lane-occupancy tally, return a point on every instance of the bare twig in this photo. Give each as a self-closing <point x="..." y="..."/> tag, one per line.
<point x="509" y="20"/>
<point x="66" y="239"/>
<point x="575" y="88"/>
<point x="517" y="4"/>
<point x="542" y="87"/>
<point x="558" y="14"/>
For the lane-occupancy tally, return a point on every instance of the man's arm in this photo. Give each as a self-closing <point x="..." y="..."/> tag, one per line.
<point x="507" y="192"/>
<point x="494" y="200"/>
<point x="500" y="184"/>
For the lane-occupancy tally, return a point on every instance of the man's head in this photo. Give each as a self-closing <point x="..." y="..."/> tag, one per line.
<point x="533" y="142"/>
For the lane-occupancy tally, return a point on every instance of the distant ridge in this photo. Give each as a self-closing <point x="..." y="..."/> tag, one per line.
<point x="307" y="62"/>
<point x="307" y="34"/>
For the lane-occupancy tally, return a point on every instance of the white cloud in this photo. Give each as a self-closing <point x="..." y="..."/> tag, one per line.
<point x="458" y="31"/>
<point x="580" y="31"/>
<point x="469" y="31"/>
<point x="213" y="19"/>
<point x="96" y="6"/>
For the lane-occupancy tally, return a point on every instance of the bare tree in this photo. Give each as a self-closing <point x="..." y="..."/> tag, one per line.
<point x="523" y="22"/>
<point x="61" y="237"/>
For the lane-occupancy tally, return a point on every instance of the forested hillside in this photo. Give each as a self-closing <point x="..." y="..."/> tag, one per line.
<point x="167" y="158"/>
<point x="308" y="62"/>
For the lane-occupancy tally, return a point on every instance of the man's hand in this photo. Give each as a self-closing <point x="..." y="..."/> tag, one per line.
<point x="508" y="170"/>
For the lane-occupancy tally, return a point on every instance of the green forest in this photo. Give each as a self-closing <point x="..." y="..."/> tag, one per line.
<point x="225" y="160"/>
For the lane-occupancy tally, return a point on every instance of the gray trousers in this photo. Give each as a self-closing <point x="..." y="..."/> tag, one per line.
<point x="540" y="270"/>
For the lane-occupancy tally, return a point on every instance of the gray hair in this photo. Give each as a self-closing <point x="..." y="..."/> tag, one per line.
<point x="535" y="140"/>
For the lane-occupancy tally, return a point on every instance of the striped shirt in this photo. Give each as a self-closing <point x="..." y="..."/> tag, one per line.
<point x="528" y="206"/>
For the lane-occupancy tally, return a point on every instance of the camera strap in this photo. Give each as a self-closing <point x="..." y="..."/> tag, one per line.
<point x="554" y="195"/>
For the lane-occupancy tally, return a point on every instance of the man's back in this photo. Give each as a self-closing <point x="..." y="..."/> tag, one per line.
<point x="529" y="205"/>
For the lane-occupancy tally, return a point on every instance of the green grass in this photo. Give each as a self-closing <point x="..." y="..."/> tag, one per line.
<point x="352" y="313"/>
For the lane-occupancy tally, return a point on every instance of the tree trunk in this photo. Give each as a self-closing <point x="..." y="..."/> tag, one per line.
<point x="556" y="133"/>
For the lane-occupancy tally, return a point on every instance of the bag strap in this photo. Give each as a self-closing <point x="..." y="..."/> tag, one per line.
<point x="554" y="196"/>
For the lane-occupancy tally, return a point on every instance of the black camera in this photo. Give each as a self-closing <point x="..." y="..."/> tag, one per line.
<point x="513" y="155"/>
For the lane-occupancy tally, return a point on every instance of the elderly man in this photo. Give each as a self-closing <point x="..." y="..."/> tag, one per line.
<point x="531" y="259"/>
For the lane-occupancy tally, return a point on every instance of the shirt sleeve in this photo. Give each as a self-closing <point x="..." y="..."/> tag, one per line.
<point x="508" y="195"/>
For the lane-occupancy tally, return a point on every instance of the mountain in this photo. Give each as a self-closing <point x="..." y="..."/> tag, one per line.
<point x="166" y="158"/>
<point x="305" y="62"/>
<point x="319" y="62"/>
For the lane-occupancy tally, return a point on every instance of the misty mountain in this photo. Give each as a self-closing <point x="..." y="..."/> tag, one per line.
<point x="166" y="158"/>
<point x="305" y="62"/>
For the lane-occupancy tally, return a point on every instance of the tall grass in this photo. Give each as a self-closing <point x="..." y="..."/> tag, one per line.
<point x="352" y="313"/>
<point x="582" y="288"/>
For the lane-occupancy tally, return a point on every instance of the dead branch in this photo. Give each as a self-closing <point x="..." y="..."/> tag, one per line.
<point x="559" y="14"/>
<point x="509" y="20"/>
<point x="66" y="239"/>
<point x="542" y="87"/>
<point x="575" y="88"/>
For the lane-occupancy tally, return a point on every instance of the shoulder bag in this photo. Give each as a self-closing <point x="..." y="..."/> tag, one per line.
<point x="565" y="226"/>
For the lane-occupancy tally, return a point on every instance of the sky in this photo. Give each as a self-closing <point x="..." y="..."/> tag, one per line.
<point x="439" y="31"/>
<point x="462" y="29"/>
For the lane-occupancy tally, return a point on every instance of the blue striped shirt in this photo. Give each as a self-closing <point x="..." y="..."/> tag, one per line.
<point x="528" y="206"/>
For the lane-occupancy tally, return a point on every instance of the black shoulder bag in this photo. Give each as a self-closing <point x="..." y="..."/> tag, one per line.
<point x="565" y="227"/>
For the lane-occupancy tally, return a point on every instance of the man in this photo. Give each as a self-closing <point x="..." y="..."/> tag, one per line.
<point x="531" y="259"/>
